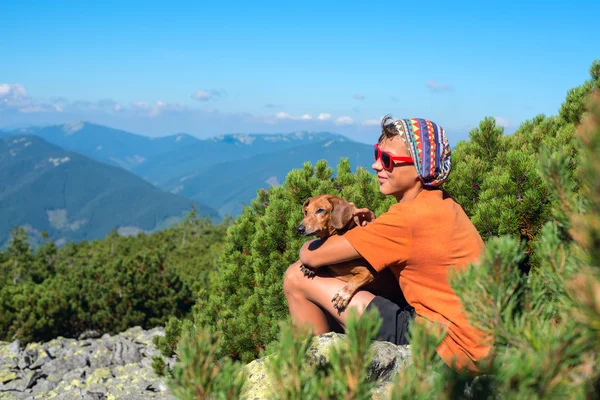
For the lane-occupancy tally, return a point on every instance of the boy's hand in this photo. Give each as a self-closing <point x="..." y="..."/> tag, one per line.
<point x="363" y="216"/>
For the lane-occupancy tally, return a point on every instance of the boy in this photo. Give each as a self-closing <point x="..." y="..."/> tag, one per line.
<point x="419" y="239"/>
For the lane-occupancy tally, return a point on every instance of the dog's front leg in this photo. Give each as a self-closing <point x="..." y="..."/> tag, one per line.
<point x="308" y="272"/>
<point x="344" y="295"/>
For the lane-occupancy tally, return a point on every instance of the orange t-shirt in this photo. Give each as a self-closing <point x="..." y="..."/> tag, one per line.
<point x="420" y="240"/>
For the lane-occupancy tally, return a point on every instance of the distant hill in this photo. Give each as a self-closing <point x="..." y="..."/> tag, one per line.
<point x="73" y="197"/>
<point x="113" y="146"/>
<point x="226" y="148"/>
<point x="222" y="172"/>
<point x="229" y="185"/>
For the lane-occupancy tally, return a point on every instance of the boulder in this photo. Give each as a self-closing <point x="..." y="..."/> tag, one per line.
<point x="388" y="359"/>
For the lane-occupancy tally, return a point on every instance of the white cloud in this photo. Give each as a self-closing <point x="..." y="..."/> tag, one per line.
<point x="344" y="120"/>
<point x="104" y="105"/>
<point x="201" y="95"/>
<point x="282" y="115"/>
<point x="324" y="117"/>
<point x="359" y="96"/>
<point x="154" y="111"/>
<point x="32" y="109"/>
<point x="141" y="107"/>
<point x="206" y="95"/>
<point x="502" y="122"/>
<point x="438" y="87"/>
<point x="372" y="122"/>
<point x="14" y="91"/>
<point x="14" y="96"/>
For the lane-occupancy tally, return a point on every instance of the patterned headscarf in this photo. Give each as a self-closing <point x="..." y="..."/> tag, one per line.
<point x="429" y="148"/>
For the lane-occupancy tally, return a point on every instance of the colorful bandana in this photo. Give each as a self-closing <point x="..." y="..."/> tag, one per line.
<point x="429" y="148"/>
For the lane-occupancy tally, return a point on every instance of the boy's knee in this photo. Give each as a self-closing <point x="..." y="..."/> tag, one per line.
<point x="292" y="279"/>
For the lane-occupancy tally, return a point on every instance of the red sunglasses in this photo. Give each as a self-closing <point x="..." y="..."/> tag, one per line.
<point x="387" y="160"/>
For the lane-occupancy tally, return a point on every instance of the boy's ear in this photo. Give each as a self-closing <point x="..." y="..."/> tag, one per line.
<point x="341" y="213"/>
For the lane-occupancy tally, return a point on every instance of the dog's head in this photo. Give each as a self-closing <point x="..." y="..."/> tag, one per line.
<point x="325" y="215"/>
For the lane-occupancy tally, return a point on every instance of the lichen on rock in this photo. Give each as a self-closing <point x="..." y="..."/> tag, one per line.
<point x="110" y="367"/>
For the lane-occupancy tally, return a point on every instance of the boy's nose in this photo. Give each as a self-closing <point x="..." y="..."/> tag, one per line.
<point x="377" y="165"/>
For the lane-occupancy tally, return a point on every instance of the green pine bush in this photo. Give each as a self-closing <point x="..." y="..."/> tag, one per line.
<point x="106" y="285"/>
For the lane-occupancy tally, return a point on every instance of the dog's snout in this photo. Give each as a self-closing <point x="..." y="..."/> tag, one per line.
<point x="301" y="229"/>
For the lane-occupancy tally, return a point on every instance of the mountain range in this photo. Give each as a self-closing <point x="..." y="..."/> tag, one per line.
<point x="108" y="145"/>
<point x="113" y="178"/>
<point x="46" y="188"/>
<point x="228" y="185"/>
<point x="186" y="160"/>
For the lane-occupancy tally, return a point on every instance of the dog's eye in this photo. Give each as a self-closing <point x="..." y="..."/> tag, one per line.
<point x="320" y="211"/>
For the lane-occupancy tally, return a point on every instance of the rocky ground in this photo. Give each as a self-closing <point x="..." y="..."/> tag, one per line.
<point x="388" y="360"/>
<point x="109" y="367"/>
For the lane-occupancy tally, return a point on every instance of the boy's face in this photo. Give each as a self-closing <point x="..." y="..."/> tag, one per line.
<point x="404" y="175"/>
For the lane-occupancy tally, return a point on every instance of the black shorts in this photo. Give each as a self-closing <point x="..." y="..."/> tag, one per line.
<point x="396" y="317"/>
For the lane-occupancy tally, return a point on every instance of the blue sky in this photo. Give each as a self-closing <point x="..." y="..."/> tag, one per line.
<point x="209" y="68"/>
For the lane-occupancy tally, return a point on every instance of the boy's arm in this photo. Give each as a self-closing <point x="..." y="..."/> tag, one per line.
<point x="335" y="249"/>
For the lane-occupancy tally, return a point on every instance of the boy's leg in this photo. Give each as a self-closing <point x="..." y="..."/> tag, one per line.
<point x="310" y="298"/>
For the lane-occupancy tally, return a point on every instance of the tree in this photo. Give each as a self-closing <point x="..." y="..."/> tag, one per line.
<point x="574" y="106"/>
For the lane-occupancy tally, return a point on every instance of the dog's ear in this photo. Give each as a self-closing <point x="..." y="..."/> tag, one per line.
<point x="341" y="213"/>
<point x="305" y="204"/>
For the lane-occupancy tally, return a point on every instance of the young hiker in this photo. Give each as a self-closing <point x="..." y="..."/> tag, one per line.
<point x="419" y="239"/>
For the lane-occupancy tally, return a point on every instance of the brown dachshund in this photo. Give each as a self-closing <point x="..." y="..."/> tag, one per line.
<point x="327" y="215"/>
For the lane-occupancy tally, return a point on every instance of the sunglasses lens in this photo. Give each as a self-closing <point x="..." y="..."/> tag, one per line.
<point x="386" y="160"/>
<point x="376" y="153"/>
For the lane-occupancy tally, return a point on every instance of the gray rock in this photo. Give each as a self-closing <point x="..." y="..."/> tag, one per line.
<point x="26" y="382"/>
<point x="61" y="366"/>
<point x="14" y="349"/>
<point x="43" y="386"/>
<point x="76" y="374"/>
<point x="94" y="396"/>
<point x="98" y="389"/>
<point x="100" y="357"/>
<point x="388" y="359"/>
<point x="71" y="394"/>
<point x="111" y="367"/>
<point x="43" y="357"/>
<point x="16" y="395"/>
<point x="90" y="334"/>
<point x="132" y="333"/>
<point x="28" y="357"/>
<point x="125" y="352"/>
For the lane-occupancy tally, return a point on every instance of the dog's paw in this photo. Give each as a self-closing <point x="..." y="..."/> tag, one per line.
<point x="341" y="299"/>
<point x="309" y="273"/>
